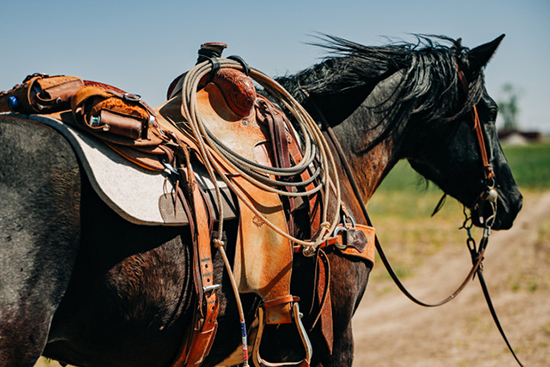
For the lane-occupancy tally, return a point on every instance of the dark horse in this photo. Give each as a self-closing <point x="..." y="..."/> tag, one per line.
<point x="81" y="285"/>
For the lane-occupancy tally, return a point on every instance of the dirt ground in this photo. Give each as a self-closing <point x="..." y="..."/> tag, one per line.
<point x="392" y="331"/>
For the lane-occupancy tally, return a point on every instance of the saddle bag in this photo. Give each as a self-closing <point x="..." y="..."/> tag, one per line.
<point x="114" y="115"/>
<point x="101" y="109"/>
<point x="41" y="93"/>
<point x="122" y="120"/>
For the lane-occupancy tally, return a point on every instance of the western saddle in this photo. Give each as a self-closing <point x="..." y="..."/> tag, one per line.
<point x="215" y="118"/>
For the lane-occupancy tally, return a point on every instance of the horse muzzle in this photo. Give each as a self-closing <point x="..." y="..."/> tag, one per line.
<point x="493" y="210"/>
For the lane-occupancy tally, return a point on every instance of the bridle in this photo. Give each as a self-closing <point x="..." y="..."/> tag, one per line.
<point x="488" y="196"/>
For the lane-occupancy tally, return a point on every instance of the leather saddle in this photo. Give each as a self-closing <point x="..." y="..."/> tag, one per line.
<point x="239" y="120"/>
<point x="235" y="116"/>
<point x="231" y="110"/>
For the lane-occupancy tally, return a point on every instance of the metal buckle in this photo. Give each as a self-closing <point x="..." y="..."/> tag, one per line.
<point x="308" y="251"/>
<point x="169" y="168"/>
<point x="346" y="227"/>
<point x="339" y="245"/>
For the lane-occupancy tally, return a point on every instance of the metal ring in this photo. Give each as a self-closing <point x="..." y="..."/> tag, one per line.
<point x="344" y="220"/>
<point x="132" y="97"/>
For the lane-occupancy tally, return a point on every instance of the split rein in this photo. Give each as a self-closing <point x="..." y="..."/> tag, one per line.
<point x="488" y="196"/>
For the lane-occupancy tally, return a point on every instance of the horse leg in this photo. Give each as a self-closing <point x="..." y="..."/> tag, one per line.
<point x="39" y="234"/>
<point x="348" y="283"/>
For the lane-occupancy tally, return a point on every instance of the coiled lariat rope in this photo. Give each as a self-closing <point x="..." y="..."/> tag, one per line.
<point x="316" y="152"/>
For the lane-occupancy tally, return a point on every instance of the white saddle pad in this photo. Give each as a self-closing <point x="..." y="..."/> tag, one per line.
<point x="131" y="191"/>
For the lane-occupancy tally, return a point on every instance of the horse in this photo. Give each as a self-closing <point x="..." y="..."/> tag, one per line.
<point x="81" y="285"/>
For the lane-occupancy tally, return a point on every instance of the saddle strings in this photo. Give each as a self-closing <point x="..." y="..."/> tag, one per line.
<point x="316" y="149"/>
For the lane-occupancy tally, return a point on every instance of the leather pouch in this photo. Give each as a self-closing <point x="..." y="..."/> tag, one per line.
<point x="115" y="117"/>
<point x="41" y="93"/>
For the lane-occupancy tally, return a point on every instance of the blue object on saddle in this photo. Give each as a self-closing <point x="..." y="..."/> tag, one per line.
<point x="13" y="103"/>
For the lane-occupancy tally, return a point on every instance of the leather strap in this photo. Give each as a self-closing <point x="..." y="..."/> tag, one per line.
<point x="266" y="114"/>
<point x="314" y="200"/>
<point x="280" y="301"/>
<point x="494" y="314"/>
<point x="489" y="172"/>
<point x="366" y="254"/>
<point x="325" y="303"/>
<point x="205" y="325"/>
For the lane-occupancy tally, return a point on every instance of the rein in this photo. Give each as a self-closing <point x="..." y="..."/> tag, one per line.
<point x="489" y="195"/>
<point x="383" y="257"/>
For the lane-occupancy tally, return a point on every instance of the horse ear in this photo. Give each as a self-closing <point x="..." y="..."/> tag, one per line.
<point x="480" y="56"/>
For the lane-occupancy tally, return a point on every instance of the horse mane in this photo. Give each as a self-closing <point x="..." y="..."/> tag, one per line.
<point x="428" y="89"/>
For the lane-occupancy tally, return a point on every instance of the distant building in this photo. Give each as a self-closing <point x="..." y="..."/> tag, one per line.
<point x="514" y="136"/>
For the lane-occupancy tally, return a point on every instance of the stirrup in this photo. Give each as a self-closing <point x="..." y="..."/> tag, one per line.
<point x="296" y="315"/>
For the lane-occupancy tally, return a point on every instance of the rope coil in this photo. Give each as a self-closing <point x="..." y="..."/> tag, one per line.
<point x="317" y="154"/>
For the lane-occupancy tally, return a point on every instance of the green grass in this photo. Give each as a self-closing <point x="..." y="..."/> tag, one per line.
<point x="530" y="165"/>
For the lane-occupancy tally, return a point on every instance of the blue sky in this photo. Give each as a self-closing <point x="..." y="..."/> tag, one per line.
<point x="140" y="46"/>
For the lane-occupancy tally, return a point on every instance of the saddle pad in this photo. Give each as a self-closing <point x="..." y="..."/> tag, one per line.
<point x="131" y="191"/>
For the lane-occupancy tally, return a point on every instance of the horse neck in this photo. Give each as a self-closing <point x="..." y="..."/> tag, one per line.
<point x="371" y="143"/>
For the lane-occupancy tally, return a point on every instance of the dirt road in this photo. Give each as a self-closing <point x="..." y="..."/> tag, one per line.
<point x="392" y="331"/>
